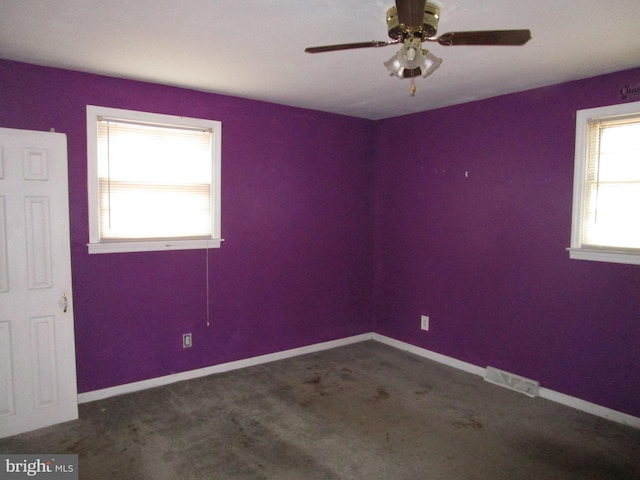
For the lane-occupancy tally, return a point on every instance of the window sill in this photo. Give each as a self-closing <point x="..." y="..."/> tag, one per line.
<point x="611" y="256"/>
<point x="153" y="246"/>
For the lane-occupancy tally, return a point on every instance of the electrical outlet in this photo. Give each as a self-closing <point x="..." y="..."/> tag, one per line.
<point x="186" y="340"/>
<point x="424" y="322"/>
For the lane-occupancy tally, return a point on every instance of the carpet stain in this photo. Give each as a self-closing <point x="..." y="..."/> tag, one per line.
<point x="314" y="381"/>
<point x="381" y="394"/>
<point x="347" y="375"/>
<point x="471" y="423"/>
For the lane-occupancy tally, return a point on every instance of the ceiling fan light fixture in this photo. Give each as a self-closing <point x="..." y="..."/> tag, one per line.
<point x="410" y="58"/>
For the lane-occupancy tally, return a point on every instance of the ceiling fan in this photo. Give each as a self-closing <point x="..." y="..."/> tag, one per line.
<point x="412" y="22"/>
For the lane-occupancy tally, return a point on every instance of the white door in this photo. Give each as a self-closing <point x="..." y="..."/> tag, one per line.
<point x="37" y="350"/>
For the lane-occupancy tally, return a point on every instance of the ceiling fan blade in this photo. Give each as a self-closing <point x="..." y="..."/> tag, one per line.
<point x="348" y="46"/>
<point x="411" y="13"/>
<point x="485" y="37"/>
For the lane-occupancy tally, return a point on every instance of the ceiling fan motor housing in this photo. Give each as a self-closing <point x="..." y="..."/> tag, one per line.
<point x="429" y="27"/>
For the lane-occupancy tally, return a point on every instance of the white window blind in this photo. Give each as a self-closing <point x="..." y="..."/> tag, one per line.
<point x="611" y="205"/>
<point x="154" y="181"/>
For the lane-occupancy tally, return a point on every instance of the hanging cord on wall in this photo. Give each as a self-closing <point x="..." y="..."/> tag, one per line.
<point x="207" y="282"/>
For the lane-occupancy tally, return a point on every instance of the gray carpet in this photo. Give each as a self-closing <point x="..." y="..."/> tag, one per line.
<point x="365" y="411"/>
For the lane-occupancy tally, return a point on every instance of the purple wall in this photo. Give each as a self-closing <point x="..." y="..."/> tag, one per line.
<point x="473" y="215"/>
<point x="296" y="266"/>
<point x="472" y="218"/>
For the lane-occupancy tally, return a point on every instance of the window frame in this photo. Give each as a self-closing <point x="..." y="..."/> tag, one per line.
<point x="576" y="250"/>
<point x="95" y="245"/>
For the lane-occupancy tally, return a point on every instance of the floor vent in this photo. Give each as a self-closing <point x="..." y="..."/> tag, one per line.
<point x="511" y="381"/>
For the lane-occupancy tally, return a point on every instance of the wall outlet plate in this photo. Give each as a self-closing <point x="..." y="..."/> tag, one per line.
<point x="424" y="322"/>
<point x="186" y="340"/>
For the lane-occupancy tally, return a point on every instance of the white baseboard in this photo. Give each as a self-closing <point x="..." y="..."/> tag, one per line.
<point x="436" y="357"/>
<point x="592" y="408"/>
<point x="546" y="393"/>
<point x="224" y="367"/>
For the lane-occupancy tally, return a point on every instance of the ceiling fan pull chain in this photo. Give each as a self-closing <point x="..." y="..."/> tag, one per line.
<point x="412" y="89"/>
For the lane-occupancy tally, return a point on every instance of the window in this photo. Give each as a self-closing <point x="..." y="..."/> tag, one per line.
<point x="606" y="196"/>
<point x="153" y="181"/>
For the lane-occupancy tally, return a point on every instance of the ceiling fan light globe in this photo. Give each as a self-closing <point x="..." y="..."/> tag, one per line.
<point x="429" y="64"/>
<point x="394" y="66"/>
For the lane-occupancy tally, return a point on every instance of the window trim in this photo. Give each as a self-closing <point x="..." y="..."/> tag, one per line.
<point x="95" y="246"/>
<point x="576" y="250"/>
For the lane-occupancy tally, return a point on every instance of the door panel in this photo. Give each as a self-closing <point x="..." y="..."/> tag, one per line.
<point x="6" y="374"/>
<point x="4" y="265"/>
<point x="37" y="346"/>
<point x="38" y="241"/>
<point x="43" y="352"/>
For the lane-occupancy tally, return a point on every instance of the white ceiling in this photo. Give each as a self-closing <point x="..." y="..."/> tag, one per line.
<point x="255" y="48"/>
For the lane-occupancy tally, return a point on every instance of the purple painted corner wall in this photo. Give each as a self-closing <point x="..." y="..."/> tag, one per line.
<point x="296" y="266"/>
<point x="335" y="228"/>
<point x="473" y="216"/>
